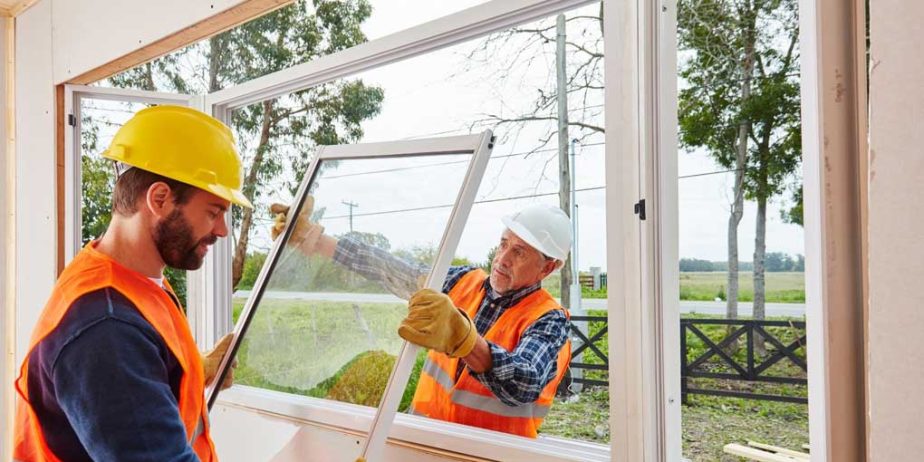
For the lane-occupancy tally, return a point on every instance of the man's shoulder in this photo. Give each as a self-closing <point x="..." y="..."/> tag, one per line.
<point x="456" y="273"/>
<point x="102" y="306"/>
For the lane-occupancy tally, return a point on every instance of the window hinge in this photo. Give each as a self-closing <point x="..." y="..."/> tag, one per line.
<point x="640" y="209"/>
<point x="71" y="120"/>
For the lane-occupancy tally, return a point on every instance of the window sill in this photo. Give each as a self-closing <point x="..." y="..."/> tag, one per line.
<point x="412" y="429"/>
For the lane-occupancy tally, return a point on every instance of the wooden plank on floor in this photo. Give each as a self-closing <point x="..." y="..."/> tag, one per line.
<point x="754" y="454"/>
<point x="779" y="450"/>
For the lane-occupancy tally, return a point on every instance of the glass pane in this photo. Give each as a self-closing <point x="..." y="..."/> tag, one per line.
<point x="99" y="122"/>
<point x="327" y="327"/>
<point x="741" y="242"/>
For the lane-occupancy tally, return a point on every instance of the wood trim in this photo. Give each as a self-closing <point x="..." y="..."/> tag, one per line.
<point x="221" y="22"/>
<point x="833" y="104"/>
<point x="59" y="177"/>
<point x="20" y="7"/>
<point x="863" y="154"/>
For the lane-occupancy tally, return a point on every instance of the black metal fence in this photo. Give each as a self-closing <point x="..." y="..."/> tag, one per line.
<point x="752" y="368"/>
<point x="589" y="346"/>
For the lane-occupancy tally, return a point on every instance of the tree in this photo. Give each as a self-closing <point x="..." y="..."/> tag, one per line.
<point x="793" y="214"/>
<point x="741" y="103"/>
<point x="276" y="135"/>
<point x="569" y="108"/>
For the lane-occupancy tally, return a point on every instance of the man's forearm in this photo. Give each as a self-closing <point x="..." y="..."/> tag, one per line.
<point x="326" y="246"/>
<point x="479" y="360"/>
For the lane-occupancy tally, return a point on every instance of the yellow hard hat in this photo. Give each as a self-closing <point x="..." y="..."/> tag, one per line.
<point x="182" y="144"/>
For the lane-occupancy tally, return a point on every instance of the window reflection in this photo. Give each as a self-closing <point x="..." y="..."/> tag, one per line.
<point x="324" y="330"/>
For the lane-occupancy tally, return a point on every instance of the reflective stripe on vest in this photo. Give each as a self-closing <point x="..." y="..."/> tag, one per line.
<point x="91" y="271"/>
<point x="481" y="402"/>
<point x="466" y="400"/>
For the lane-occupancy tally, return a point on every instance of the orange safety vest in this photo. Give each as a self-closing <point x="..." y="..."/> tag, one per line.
<point x="466" y="400"/>
<point x="91" y="271"/>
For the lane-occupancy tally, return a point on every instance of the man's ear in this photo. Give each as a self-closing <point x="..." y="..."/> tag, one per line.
<point x="159" y="199"/>
<point x="551" y="266"/>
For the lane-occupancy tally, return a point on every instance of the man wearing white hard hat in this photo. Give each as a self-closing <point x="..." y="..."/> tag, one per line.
<point x="498" y="343"/>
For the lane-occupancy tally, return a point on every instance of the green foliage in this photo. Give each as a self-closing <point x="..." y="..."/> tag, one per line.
<point x="489" y="260"/>
<point x="741" y="67"/>
<point x="695" y="264"/>
<point x="252" y="266"/>
<point x="97" y="181"/>
<point x="363" y="379"/>
<point x="793" y="214"/>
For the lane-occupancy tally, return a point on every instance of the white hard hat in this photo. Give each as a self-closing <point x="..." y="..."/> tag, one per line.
<point x="544" y="227"/>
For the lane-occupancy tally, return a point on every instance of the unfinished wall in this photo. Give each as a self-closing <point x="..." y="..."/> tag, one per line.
<point x="7" y="363"/>
<point x="896" y="240"/>
<point x="35" y="169"/>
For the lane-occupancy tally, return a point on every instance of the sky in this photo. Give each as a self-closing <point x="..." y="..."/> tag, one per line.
<point x="703" y="200"/>
<point x="442" y="93"/>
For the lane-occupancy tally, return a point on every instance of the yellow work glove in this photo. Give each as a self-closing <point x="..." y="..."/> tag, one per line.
<point x="434" y="322"/>
<point x="306" y="234"/>
<point x="212" y="359"/>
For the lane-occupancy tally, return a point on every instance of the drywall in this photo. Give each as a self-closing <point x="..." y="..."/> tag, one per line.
<point x="90" y="33"/>
<point x="35" y="169"/>
<point x="896" y="218"/>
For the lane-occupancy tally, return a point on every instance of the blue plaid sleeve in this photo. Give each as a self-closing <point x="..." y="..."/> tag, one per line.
<point x="397" y="275"/>
<point x="518" y="377"/>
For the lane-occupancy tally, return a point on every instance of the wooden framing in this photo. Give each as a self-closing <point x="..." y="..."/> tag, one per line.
<point x="206" y="28"/>
<point x="834" y="147"/>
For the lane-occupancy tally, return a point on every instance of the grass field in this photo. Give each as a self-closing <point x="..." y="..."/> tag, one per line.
<point x="784" y="287"/>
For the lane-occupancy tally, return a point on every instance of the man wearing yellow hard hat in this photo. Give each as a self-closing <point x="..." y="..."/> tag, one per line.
<point x="112" y="371"/>
<point x="498" y="343"/>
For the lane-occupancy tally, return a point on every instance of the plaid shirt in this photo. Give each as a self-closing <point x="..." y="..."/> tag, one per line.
<point x="516" y="377"/>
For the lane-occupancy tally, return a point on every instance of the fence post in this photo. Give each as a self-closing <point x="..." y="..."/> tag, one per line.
<point x="595" y="272"/>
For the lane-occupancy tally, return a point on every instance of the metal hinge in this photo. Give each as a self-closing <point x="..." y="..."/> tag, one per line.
<point x="71" y="120"/>
<point x="640" y="209"/>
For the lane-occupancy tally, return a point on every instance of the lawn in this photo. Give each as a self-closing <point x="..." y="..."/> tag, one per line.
<point x="783" y="287"/>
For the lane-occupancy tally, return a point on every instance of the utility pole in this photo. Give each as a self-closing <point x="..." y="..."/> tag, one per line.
<point x="351" y="205"/>
<point x="570" y="283"/>
<point x="564" y="170"/>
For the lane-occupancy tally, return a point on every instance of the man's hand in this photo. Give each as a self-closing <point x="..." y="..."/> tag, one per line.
<point x="212" y="359"/>
<point x="434" y="322"/>
<point x="306" y="234"/>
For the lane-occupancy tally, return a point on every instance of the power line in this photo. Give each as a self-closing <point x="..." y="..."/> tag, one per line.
<point x="397" y="169"/>
<point x="484" y="201"/>
<point x="709" y="173"/>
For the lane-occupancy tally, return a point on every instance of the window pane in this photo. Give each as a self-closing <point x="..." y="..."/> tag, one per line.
<point x="326" y="327"/>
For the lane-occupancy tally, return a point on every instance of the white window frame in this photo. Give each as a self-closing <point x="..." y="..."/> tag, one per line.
<point x="431" y="36"/>
<point x="73" y="94"/>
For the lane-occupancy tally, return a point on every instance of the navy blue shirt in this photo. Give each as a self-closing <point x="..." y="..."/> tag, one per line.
<point x="105" y="386"/>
